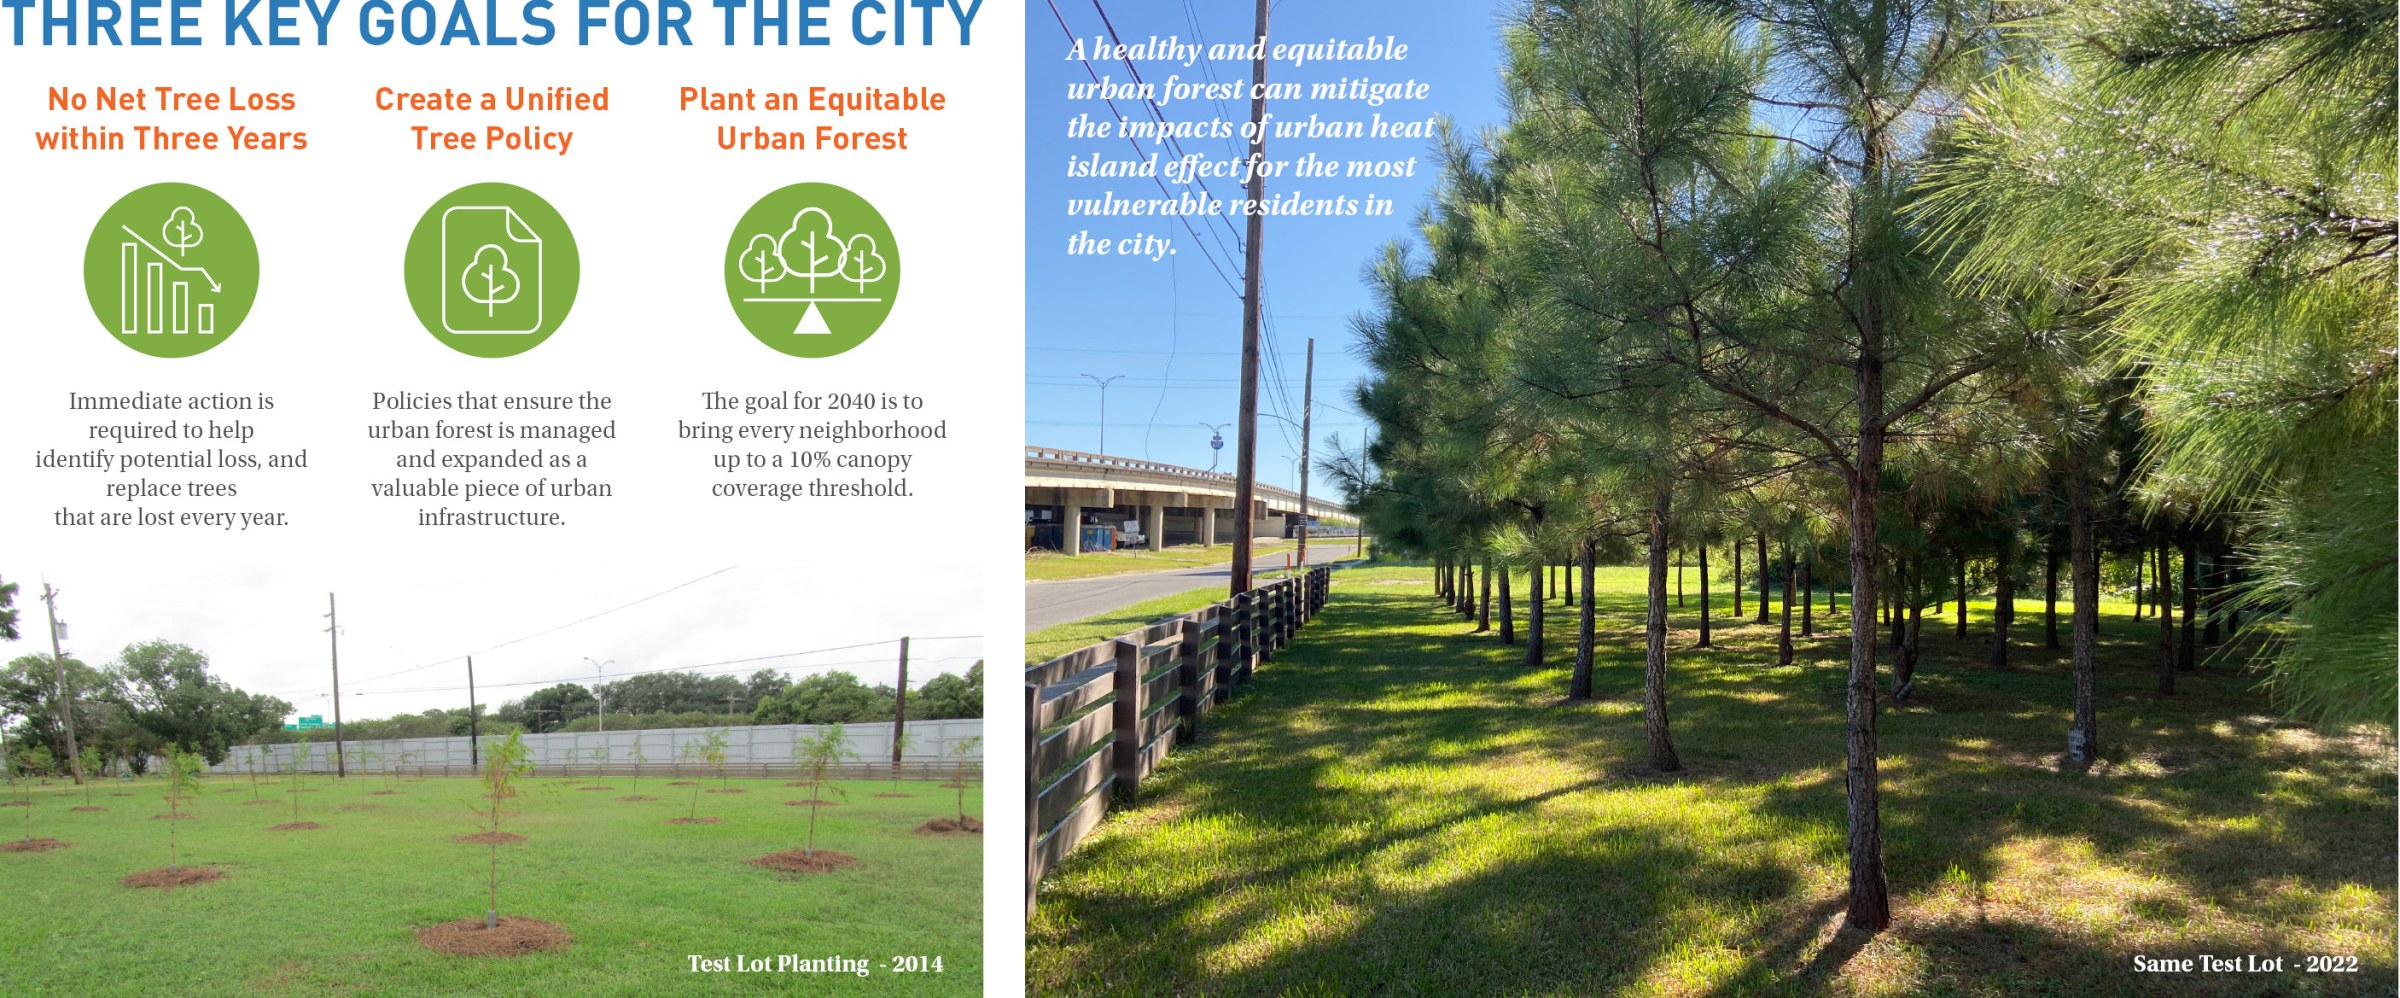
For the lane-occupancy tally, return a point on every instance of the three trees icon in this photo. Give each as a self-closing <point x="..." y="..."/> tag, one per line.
<point x="488" y="281"/>
<point x="810" y="249"/>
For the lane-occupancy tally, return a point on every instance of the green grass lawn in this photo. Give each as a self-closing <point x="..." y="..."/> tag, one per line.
<point x="1399" y="806"/>
<point x="330" y="911"/>
<point x="1044" y="566"/>
<point x="1059" y="639"/>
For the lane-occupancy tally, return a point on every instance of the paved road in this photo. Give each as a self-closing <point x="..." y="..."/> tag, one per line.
<point x="1050" y="603"/>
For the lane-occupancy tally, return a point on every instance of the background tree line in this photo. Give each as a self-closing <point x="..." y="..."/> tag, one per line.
<point x="156" y="696"/>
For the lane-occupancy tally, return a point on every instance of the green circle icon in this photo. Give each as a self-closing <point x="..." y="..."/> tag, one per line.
<point x="491" y="270"/>
<point x="171" y="270"/>
<point x="812" y="270"/>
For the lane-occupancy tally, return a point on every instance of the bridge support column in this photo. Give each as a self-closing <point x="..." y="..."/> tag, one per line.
<point x="1208" y="527"/>
<point x="1070" y="540"/>
<point x="1156" y="527"/>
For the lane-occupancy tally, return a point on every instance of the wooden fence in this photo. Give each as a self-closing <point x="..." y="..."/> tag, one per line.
<point x="1098" y="719"/>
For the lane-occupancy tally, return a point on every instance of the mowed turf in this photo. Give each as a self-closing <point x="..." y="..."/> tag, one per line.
<point x="1053" y="565"/>
<point x="1399" y="806"/>
<point x="331" y="911"/>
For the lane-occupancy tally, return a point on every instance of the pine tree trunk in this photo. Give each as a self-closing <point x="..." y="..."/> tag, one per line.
<point x="2084" y="575"/>
<point x="1678" y="579"/>
<point x="2166" y="622"/>
<point x="1765" y="592"/>
<point x="1783" y="640"/>
<point x="2050" y="597"/>
<point x="1870" y="904"/>
<point x="1466" y="591"/>
<point x="1533" y="613"/>
<point x="2139" y="604"/>
<point x="1962" y="595"/>
<point x="1508" y="614"/>
<point x="1567" y="572"/>
<point x="1737" y="579"/>
<point x="2214" y="600"/>
<point x="1483" y="619"/>
<point x="1704" y="607"/>
<point x="2004" y="603"/>
<point x="2187" y="656"/>
<point x="1654" y="658"/>
<point x="1895" y="613"/>
<point x="1580" y="686"/>
<point x="1808" y="618"/>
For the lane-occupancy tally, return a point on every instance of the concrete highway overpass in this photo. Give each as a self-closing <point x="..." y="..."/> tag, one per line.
<point x="1171" y="504"/>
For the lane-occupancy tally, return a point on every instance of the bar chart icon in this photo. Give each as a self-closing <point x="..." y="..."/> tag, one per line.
<point x="170" y="270"/>
<point x="152" y="301"/>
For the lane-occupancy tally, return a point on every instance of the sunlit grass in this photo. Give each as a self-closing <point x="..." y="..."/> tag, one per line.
<point x="1399" y="806"/>
<point x="330" y="911"/>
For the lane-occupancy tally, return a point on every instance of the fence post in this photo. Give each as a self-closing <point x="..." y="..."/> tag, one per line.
<point x="1245" y="612"/>
<point x="1187" y="672"/>
<point x="1229" y="637"/>
<point x="1128" y="717"/>
<point x="1033" y="793"/>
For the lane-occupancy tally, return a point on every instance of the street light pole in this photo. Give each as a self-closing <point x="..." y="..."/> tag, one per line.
<point x="1308" y="402"/>
<point x="599" y="671"/>
<point x="1103" y="383"/>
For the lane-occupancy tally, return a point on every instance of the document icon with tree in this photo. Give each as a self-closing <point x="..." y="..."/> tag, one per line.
<point x="492" y="272"/>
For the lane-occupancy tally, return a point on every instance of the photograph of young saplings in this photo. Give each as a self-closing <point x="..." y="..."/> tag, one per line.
<point x="173" y="835"/>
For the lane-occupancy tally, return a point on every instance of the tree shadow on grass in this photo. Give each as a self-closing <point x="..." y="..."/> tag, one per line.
<point x="1274" y="855"/>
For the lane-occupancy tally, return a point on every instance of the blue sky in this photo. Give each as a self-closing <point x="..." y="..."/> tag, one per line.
<point x="1173" y="328"/>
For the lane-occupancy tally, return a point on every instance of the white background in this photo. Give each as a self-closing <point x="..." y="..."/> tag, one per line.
<point x="652" y="203"/>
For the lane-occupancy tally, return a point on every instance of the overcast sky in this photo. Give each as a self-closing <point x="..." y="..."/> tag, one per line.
<point x="405" y="628"/>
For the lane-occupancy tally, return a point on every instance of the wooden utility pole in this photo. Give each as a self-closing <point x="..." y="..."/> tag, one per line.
<point x="474" y="723"/>
<point x="333" y="633"/>
<point x="1308" y="402"/>
<point x="1245" y="464"/>
<point x="900" y="708"/>
<point x="66" y="702"/>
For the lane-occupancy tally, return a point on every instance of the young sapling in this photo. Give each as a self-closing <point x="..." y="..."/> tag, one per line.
<point x="183" y="783"/>
<point x="961" y="749"/>
<point x="503" y="763"/>
<point x="711" y="751"/>
<point x="817" y="754"/>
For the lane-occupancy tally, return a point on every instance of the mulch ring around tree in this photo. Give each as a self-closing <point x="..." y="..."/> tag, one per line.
<point x="295" y="826"/>
<point x="178" y="816"/>
<point x="954" y="785"/>
<point x="951" y="826"/>
<point x="163" y="877"/>
<point x="21" y="803"/>
<point x="801" y="783"/>
<point x="695" y="821"/>
<point x="637" y="797"/>
<point x="261" y="802"/>
<point x="512" y="937"/>
<point x="362" y="807"/>
<point x="86" y="807"/>
<point x="684" y="783"/>
<point x="728" y="790"/>
<point x="32" y="845"/>
<point x="487" y="838"/>
<point x="812" y="802"/>
<point x="799" y="861"/>
<point x="386" y="793"/>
